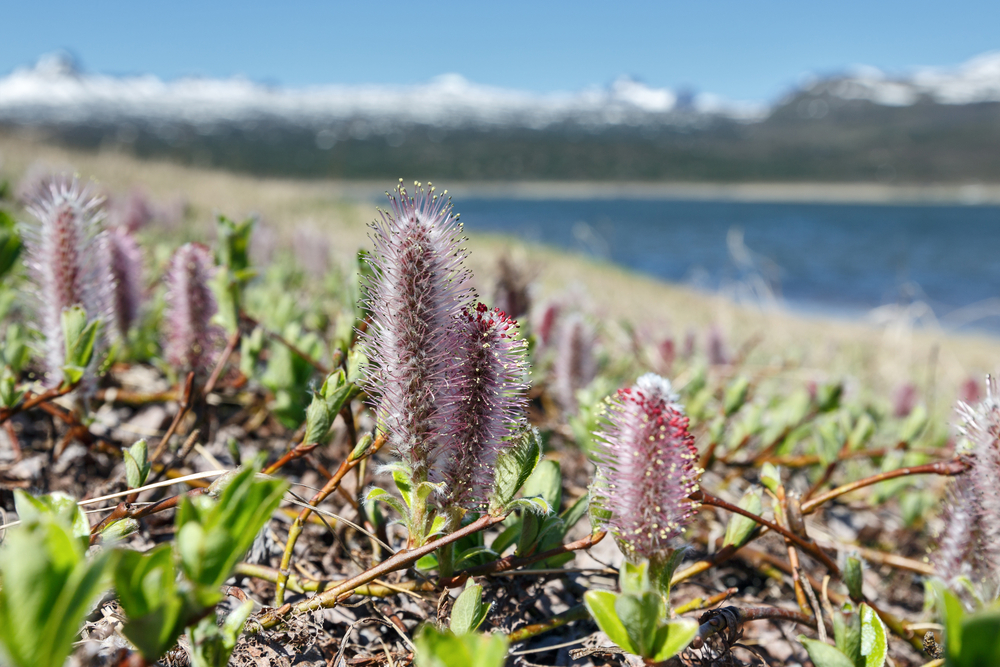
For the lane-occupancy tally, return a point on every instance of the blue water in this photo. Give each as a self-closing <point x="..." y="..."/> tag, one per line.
<point x="835" y="258"/>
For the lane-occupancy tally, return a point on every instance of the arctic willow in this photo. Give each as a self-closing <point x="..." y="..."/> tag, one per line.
<point x="446" y="375"/>
<point x="66" y="253"/>
<point x="646" y="461"/>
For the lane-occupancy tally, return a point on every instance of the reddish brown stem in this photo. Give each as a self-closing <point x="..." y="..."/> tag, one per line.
<point x="955" y="466"/>
<point x="32" y="400"/>
<point x="809" y="547"/>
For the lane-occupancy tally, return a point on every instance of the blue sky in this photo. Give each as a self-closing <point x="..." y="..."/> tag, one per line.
<point x="752" y="50"/>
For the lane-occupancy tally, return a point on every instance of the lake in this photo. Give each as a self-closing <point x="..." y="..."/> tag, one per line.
<point x="833" y="258"/>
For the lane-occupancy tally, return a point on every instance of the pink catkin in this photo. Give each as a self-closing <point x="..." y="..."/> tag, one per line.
<point x="975" y="498"/>
<point x="646" y="462"/>
<point x="66" y="256"/>
<point x="575" y="365"/>
<point x="487" y="403"/>
<point x="419" y="288"/>
<point x="125" y="264"/>
<point x="192" y="340"/>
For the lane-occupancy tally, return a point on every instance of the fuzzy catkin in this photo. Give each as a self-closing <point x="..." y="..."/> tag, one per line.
<point x="125" y="264"/>
<point x="487" y="403"/>
<point x="67" y="259"/>
<point x="418" y="289"/>
<point x="192" y="340"/>
<point x="575" y="365"/>
<point x="972" y="535"/>
<point x="646" y="462"/>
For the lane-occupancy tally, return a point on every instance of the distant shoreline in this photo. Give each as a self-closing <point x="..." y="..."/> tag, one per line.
<point x="803" y="193"/>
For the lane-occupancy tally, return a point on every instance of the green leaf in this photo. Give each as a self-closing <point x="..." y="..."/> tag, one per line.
<point x="147" y="590"/>
<point x="375" y="494"/>
<point x="601" y="605"/>
<point x="118" y="530"/>
<point x="319" y="419"/>
<point x="661" y="571"/>
<point x="953" y="613"/>
<point x="853" y="577"/>
<point x="672" y="637"/>
<point x="361" y="449"/>
<point x="770" y="476"/>
<point x="914" y="424"/>
<point x="469" y="612"/>
<point x="9" y="394"/>
<point x="740" y="528"/>
<point x="212" y="536"/>
<point x="48" y="587"/>
<point x="824" y="655"/>
<point x="873" y="643"/>
<point x="136" y="464"/>
<point x="847" y="633"/>
<point x="641" y="615"/>
<point x="530" y="523"/>
<point x="468" y="554"/>
<point x="79" y="336"/>
<point x="404" y="484"/>
<point x="980" y="644"/>
<point x="634" y="578"/>
<point x="862" y="431"/>
<point x="437" y="648"/>
<point x="735" y="395"/>
<point x="10" y="245"/>
<point x="56" y="505"/>
<point x="211" y="644"/>
<point x="545" y="482"/>
<point x="513" y="467"/>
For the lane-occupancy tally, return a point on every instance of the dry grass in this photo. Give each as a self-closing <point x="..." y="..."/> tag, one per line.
<point x="876" y="357"/>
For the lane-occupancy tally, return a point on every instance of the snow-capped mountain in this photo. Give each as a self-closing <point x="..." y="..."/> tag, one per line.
<point x="55" y="91"/>
<point x="977" y="80"/>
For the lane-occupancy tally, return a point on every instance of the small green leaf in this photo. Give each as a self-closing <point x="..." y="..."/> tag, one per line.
<point x="824" y="655"/>
<point x="601" y="605"/>
<point x="634" y="578"/>
<point x="56" y="505"/>
<point x="873" y="642"/>
<point x="361" y="449"/>
<point x="513" y="467"/>
<point x="437" y="648"/>
<point x="853" y="577"/>
<point x="80" y="337"/>
<point x="319" y="418"/>
<point x="735" y="395"/>
<point x="914" y="424"/>
<point x="641" y="616"/>
<point x="118" y="530"/>
<point x="138" y="471"/>
<point x="847" y="633"/>
<point x="375" y="494"/>
<point x="147" y="590"/>
<point x="770" y="476"/>
<point x="530" y="523"/>
<point x="863" y="429"/>
<point x="427" y="563"/>
<point x="661" y="571"/>
<point x="48" y="587"/>
<point x="212" y="644"/>
<point x="404" y="484"/>
<point x="953" y="613"/>
<point x="545" y="482"/>
<point x="672" y="637"/>
<point x="979" y="640"/>
<point x="740" y="527"/>
<point x="469" y="612"/>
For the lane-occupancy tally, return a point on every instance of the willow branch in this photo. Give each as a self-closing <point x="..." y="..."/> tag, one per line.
<point x="295" y="530"/>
